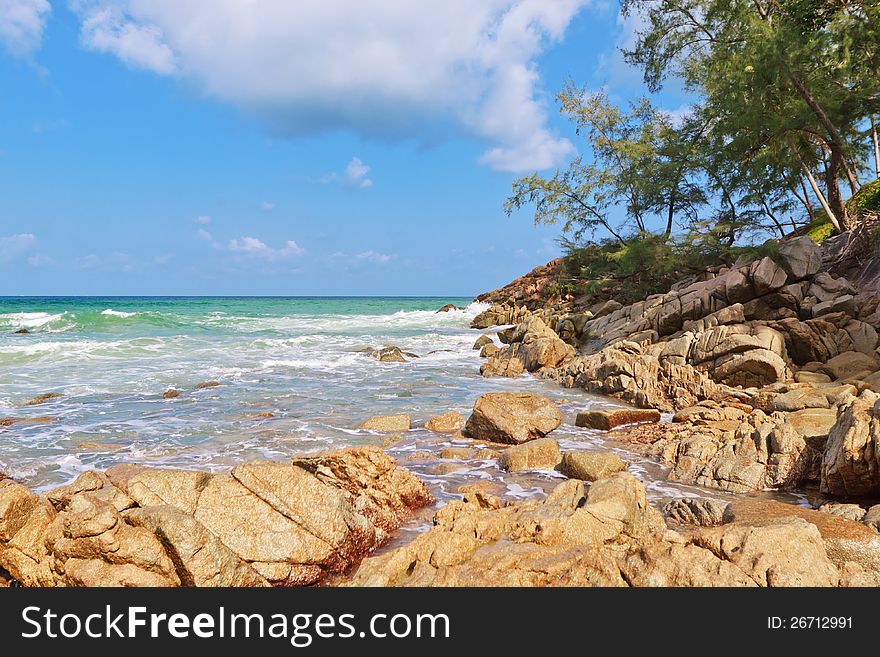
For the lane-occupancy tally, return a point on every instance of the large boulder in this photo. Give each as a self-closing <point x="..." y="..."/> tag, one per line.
<point x="851" y="463"/>
<point x="801" y="257"/>
<point x="851" y="364"/>
<point x="511" y="417"/>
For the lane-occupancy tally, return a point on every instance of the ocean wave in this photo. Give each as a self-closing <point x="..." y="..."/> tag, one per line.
<point x="117" y="313"/>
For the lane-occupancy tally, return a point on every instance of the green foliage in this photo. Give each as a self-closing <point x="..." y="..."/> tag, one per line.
<point x="867" y="199"/>
<point x="820" y="229"/>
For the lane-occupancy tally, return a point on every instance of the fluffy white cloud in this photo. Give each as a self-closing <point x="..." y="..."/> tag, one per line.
<point x="22" y="23"/>
<point x="252" y="246"/>
<point x="373" y="256"/>
<point x="356" y="174"/>
<point x="13" y="246"/>
<point x="106" y="27"/>
<point x="382" y="68"/>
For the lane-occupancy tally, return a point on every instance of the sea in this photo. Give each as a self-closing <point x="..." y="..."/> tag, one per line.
<point x="295" y="377"/>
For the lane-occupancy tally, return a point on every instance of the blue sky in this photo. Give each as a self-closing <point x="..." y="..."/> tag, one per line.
<point x="158" y="147"/>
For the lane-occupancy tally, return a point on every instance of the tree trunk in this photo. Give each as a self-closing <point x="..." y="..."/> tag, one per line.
<point x="832" y="185"/>
<point x="818" y="192"/>
<point x="669" y="216"/>
<point x="806" y="201"/>
<point x="876" y="147"/>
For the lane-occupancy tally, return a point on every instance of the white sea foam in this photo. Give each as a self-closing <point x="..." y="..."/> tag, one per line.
<point x="117" y="313"/>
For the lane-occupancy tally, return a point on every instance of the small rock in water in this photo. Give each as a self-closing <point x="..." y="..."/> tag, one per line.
<point x="468" y="453"/>
<point x="489" y="350"/>
<point x="448" y="307"/>
<point x="447" y="423"/>
<point x="511" y="417"/>
<point x="387" y="423"/>
<point x="388" y="355"/>
<point x="207" y="384"/>
<point x="590" y="466"/>
<point x="607" y="420"/>
<point x="541" y="454"/>
<point x="171" y="393"/>
<point x="482" y="341"/>
<point x="22" y="331"/>
<point x="42" y="399"/>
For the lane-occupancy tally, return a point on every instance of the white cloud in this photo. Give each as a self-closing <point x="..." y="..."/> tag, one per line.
<point x="14" y="246"/>
<point x="266" y="206"/>
<point x="251" y="246"/>
<point x="205" y="236"/>
<point x="203" y="219"/>
<point x="373" y="256"/>
<point x="380" y="68"/>
<point x="21" y="25"/>
<point x="107" y="27"/>
<point x="356" y="174"/>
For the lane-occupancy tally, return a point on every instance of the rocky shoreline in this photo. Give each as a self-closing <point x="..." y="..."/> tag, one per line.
<point x="760" y="376"/>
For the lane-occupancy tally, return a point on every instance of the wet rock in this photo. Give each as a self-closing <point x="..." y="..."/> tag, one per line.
<point x="449" y="422"/>
<point x="207" y="384"/>
<point x="482" y="341"/>
<point x="590" y="466"/>
<point x="468" y="453"/>
<point x="43" y="398"/>
<point x="607" y="420"/>
<point x="388" y="355"/>
<point x="171" y="393"/>
<point x="508" y="417"/>
<point x="448" y="307"/>
<point x="540" y="454"/>
<point x="489" y="350"/>
<point x="22" y="331"/>
<point x="10" y="421"/>
<point x="698" y="511"/>
<point x="387" y="423"/>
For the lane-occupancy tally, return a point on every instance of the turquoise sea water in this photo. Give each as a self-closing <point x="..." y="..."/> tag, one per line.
<point x="294" y="377"/>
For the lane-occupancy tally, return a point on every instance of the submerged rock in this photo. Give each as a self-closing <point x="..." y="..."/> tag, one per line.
<point x="207" y="384"/>
<point x="510" y="417"/>
<point x="43" y="398"/>
<point x="388" y="423"/>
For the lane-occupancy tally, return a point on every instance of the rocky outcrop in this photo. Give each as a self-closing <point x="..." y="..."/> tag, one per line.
<point x="450" y="422"/>
<point x="509" y="417"/>
<point x="851" y="462"/>
<point x="261" y="523"/>
<point x="605" y="536"/>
